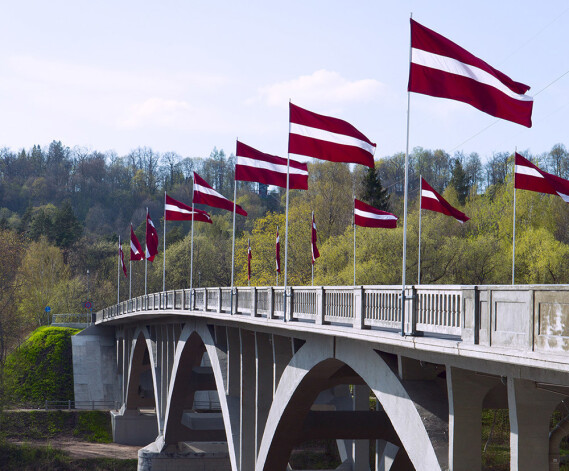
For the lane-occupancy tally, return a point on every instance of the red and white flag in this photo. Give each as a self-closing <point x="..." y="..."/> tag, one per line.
<point x="278" y="252"/>
<point x="135" y="247"/>
<point x="121" y="257"/>
<point x="205" y="194"/>
<point x="177" y="211"/>
<point x="368" y="216"/>
<point x="443" y="69"/>
<point x="432" y="201"/>
<point x="255" y="166"/>
<point x="151" y="239"/>
<point x="327" y="138"/>
<point x="529" y="177"/>
<point x="314" y="239"/>
<point x="249" y="257"/>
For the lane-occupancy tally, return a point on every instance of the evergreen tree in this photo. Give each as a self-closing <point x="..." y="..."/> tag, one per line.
<point x="459" y="181"/>
<point x="373" y="192"/>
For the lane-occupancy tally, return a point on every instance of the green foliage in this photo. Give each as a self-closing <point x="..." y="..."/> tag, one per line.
<point x="372" y="191"/>
<point x="41" y="369"/>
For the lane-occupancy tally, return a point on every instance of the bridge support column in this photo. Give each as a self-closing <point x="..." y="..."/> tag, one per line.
<point x="264" y="389"/>
<point x="530" y="414"/>
<point x="360" y="448"/>
<point x="247" y="404"/>
<point x="466" y="391"/>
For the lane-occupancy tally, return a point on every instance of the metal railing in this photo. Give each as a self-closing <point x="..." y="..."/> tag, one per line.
<point x="81" y="405"/>
<point x="71" y="319"/>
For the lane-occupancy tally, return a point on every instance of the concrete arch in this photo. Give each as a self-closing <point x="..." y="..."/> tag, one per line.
<point x="193" y="335"/>
<point x="316" y="362"/>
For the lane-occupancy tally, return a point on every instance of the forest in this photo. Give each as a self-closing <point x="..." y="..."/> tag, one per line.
<point x="62" y="210"/>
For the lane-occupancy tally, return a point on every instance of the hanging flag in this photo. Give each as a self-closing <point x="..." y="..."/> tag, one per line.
<point x="205" y="194"/>
<point x="135" y="247"/>
<point x="255" y="166"/>
<point x="443" y="69"/>
<point x="314" y="238"/>
<point x="278" y="252"/>
<point x="121" y="256"/>
<point x="177" y="211"/>
<point x="432" y="201"/>
<point x="249" y="257"/>
<point x="151" y="239"/>
<point x="368" y="216"/>
<point x="327" y="138"/>
<point x="529" y="177"/>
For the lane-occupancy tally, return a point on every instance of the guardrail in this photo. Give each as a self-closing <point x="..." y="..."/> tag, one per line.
<point x="82" y="405"/>
<point x="521" y="317"/>
<point x="71" y="319"/>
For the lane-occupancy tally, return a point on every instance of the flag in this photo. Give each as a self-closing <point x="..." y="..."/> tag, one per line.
<point x="135" y="247"/>
<point x="278" y="252"/>
<point x="121" y="256"/>
<point x="249" y="257"/>
<point x="443" y="69"/>
<point x="177" y="211"/>
<point x="151" y="238"/>
<point x="432" y="201"/>
<point x="205" y="194"/>
<point x="368" y="216"/>
<point x="529" y="177"/>
<point x="314" y="238"/>
<point x="255" y="166"/>
<point x="327" y="138"/>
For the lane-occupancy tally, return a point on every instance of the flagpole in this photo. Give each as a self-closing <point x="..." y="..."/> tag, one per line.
<point x="130" y="279"/>
<point x="146" y="256"/>
<point x="404" y="268"/>
<point x="354" y="223"/>
<point x="420" y="214"/>
<point x="279" y="256"/>
<point x="514" y="226"/>
<point x="286" y="220"/>
<point x="192" y="257"/>
<point x="233" y="240"/>
<point x="164" y="266"/>
<point x="119" y="273"/>
<point x="248" y="263"/>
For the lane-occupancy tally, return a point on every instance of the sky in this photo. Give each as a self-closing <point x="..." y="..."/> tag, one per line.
<point x="186" y="76"/>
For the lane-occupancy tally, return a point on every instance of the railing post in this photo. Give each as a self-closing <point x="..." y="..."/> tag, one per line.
<point x="271" y="313"/>
<point x="411" y="306"/>
<point x="289" y="310"/>
<point x="320" y="305"/>
<point x="359" y="308"/>
<point x="470" y="315"/>
<point x="253" y="301"/>
<point x="235" y="301"/>
<point x="219" y="303"/>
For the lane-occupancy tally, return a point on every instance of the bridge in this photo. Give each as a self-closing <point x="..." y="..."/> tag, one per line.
<point x="239" y="379"/>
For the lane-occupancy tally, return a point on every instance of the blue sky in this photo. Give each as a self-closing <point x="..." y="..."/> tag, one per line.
<point x="188" y="76"/>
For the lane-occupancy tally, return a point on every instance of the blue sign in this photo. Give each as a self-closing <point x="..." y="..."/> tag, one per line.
<point x="47" y="309"/>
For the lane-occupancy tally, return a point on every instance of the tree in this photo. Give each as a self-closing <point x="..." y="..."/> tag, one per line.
<point x="459" y="181"/>
<point x="373" y="192"/>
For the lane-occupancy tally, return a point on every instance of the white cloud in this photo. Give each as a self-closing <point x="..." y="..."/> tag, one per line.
<point x="156" y="112"/>
<point x="321" y="87"/>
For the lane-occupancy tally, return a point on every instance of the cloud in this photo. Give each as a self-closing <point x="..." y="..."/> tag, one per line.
<point x="323" y="86"/>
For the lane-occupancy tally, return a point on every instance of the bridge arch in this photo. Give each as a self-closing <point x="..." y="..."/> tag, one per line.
<point x="317" y="366"/>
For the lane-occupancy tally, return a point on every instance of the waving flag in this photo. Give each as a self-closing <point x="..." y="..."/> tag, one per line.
<point x="278" y="252"/>
<point x="255" y="166"/>
<point x="151" y="238"/>
<point x="432" y="201"/>
<point x="327" y="138"/>
<point x="177" y="211"/>
<point x="249" y="257"/>
<point x="121" y="257"/>
<point x="529" y="177"/>
<point x="443" y="69"/>
<point x="135" y="247"/>
<point x="314" y="238"/>
<point x="368" y="216"/>
<point x="205" y="194"/>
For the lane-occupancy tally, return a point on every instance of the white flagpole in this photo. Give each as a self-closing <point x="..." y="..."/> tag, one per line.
<point x="354" y="223"/>
<point x="279" y="257"/>
<point x="130" y="279"/>
<point x="146" y="257"/>
<point x="404" y="268"/>
<point x="248" y="262"/>
<point x="233" y="239"/>
<point x="119" y="273"/>
<point x="514" y="226"/>
<point x="312" y="256"/>
<point x="192" y="258"/>
<point x="286" y="220"/>
<point x="420" y="214"/>
<point x="164" y="266"/>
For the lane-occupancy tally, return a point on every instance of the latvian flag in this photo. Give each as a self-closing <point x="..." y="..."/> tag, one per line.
<point x="314" y="239"/>
<point x="278" y="252"/>
<point x="327" y="138"/>
<point x="529" y="177"/>
<point x="205" y="194"/>
<point x="121" y="257"/>
<point x="135" y="247"/>
<point x="151" y="239"/>
<point x="443" y="69"/>
<point x="255" y="166"/>
<point x="432" y="201"/>
<point x="177" y="211"/>
<point x="368" y="216"/>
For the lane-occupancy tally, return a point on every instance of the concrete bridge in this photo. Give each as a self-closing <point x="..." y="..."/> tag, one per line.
<point x="238" y="382"/>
